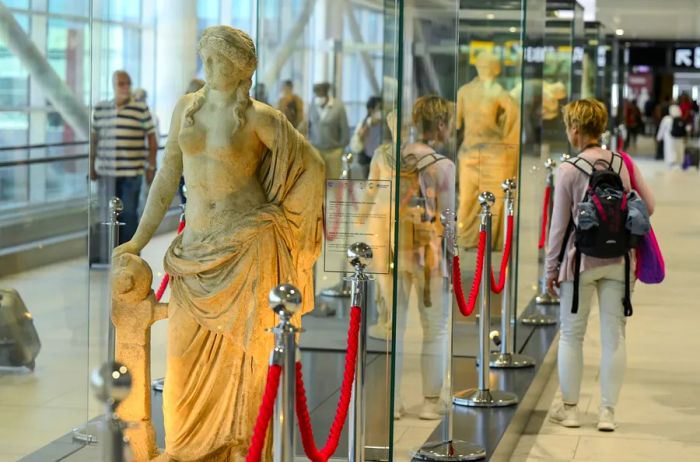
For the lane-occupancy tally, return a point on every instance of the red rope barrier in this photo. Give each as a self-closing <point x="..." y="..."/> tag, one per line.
<point x="266" y="408"/>
<point x="166" y="279"/>
<point x="545" y="216"/>
<point x="497" y="286"/>
<point x="466" y="308"/>
<point x="307" y="433"/>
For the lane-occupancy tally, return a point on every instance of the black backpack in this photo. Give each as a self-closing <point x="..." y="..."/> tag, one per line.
<point x="600" y="230"/>
<point x="678" y="128"/>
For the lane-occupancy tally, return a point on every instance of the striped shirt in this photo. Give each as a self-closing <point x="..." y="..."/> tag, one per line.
<point x="121" y="137"/>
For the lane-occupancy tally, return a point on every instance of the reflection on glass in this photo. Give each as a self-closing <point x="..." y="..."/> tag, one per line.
<point x="488" y="155"/>
<point x="426" y="188"/>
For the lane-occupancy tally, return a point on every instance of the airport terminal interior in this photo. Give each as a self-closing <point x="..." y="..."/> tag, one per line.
<point x="349" y="230"/>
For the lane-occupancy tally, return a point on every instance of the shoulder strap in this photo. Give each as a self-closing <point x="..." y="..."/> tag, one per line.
<point x="582" y="164"/>
<point x="428" y="160"/>
<point x="616" y="162"/>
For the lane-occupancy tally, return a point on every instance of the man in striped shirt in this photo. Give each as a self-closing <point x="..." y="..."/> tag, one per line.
<point x="123" y="146"/>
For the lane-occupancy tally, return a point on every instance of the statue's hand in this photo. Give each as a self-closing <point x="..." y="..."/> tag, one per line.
<point x="130" y="248"/>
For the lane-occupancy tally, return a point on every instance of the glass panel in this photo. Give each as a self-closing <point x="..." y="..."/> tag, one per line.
<point x="424" y="171"/>
<point x="324" y="64"/>
<point x="71" y="7"/>
<point x="43" y="238"/>
<point x="558" y="76"/>
<point x="531" y="177"/>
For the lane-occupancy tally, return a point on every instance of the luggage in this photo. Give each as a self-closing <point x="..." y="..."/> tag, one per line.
<point x="691" y="158"/>
<point x="19" y="341"/>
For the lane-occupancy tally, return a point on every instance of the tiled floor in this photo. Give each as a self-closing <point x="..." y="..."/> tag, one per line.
<point x="659" y="411"/>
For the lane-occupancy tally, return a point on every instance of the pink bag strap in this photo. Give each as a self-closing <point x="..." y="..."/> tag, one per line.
<point x="629" y="163"/>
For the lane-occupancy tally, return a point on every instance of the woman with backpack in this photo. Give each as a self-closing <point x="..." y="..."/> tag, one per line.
<point x="585" y="121"/>
<point x="672" y="131"/>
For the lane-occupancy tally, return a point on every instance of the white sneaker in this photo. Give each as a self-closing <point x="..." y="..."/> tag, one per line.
<point x="432" y="409"/>
<point x="565" y="415"/>
<point x="606" y="419"/>
<point x="379" y="331"/>
<point x="399" y="409"/>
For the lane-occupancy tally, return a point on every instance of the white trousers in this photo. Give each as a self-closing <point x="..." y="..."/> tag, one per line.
<point x="435" y="346"/>
<point x="609" y="282"/>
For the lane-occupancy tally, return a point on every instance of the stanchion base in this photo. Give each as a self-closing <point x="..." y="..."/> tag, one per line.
<point x="545" y="298"/>
<point x="158" y="384"/>
<point x="538" y="319"/>
<point x="484" y="398"/>
<point x="510" y="361"/>
<point x="340" y="290"/>
<point x="455" y="450"/>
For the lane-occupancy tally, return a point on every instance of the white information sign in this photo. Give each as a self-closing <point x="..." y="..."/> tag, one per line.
<point x="357" y="211"/>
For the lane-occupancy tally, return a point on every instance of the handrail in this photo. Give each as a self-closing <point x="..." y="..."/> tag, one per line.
<point x="42" y="160"/>
<point x="25" y="147"/>
<point x="48" y="160"/>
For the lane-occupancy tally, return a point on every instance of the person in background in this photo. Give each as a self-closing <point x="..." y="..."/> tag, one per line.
<point x="328" y="128"/>
<point x="260" y="93"/>
<point x="585" y="121"/>
<point x="368" y="134"/>
<point x="291" y="105"/>
<point x="633" y="123"/>
<point x="140" y="95"/>
<point x="123" y="147"/>
<point x="194" y="86"/>
<point x="672" y="132"/>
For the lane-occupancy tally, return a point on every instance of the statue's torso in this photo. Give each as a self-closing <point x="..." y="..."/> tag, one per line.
<point x="220" y="170"/>
<point x="483" y="113"/>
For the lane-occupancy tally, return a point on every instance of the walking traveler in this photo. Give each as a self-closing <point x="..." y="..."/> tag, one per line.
<point x="672" y="131"/>
<point x="585" y="120"/>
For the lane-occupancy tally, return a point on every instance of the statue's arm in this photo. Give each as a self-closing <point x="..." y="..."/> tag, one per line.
<point x="162" y="190"/>
<point x="511" y="129"/>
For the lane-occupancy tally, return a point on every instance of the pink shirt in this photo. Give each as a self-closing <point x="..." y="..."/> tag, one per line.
<point x="571" y="185"/>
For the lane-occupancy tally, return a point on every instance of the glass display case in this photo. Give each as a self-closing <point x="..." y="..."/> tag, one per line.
<point x="415" y="107"/>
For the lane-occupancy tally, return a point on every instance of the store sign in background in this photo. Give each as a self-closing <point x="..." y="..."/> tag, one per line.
<point x="687" y="57"/>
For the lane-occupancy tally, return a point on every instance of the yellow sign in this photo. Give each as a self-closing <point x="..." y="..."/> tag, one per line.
<point x="476" y="47"/>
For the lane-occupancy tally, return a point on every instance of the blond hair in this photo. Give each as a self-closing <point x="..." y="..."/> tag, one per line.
<point x="588" y="115"/>
<point x="429" y="111"/>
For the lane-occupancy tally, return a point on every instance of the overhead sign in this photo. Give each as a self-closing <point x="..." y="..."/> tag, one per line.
<point x="687" y="57"/>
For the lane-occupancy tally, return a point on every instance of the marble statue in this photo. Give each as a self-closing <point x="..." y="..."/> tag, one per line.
<point x="254" y="220"/>
<point x="489" y="152"/>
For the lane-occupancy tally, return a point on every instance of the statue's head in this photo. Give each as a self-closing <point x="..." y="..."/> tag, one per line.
<point x="488" y="66"/>
<point x="228" y="55"/>
<point x="229" y="61"/>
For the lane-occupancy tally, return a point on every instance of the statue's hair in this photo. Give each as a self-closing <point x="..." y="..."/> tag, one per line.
<point x="239" y="48"/>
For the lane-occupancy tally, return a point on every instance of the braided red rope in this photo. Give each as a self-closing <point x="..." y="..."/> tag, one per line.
<point x="545" y="216"/>
<point x="497" y="286"/>
<point x="307" y="432"/>
<point x="266" y="408"/>
<point x="467" y="308"/>
<point x="166" y="279"/>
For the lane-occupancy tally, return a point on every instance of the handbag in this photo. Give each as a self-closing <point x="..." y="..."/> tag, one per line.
<point x="650" y="267"/>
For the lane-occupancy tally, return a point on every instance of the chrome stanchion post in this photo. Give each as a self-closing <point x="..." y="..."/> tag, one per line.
<point x="507" y="358"/>
<point x="449" y="449"/>
<point x="545" y="298"/>
<point x="285" y="300"/>
<point x="116" y="206"/>
<point x="342" y="288"/>
<point x="112" y="384"/>
<point x="359" y="256"/>
<point x="483" y="396"/>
